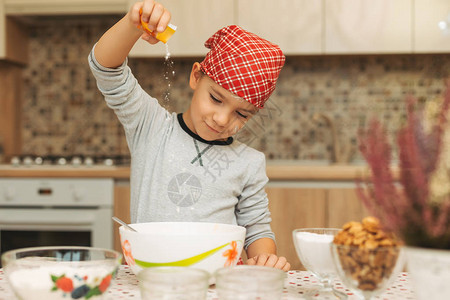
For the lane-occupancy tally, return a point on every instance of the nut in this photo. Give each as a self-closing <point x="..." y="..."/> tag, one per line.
<point x="371" y="224"/>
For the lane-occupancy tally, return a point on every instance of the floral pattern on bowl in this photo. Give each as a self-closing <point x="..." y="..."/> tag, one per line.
<point x="231" y="254"/>
<point x="126" y="249"/>
<point x="78" y="287"/>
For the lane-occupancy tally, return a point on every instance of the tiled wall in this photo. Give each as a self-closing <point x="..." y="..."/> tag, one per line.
<point x="64" y="114"/>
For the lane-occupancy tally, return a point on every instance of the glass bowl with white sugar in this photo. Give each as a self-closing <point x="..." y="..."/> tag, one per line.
<point x="60" y="272"/>
<point x="313" y="247"/>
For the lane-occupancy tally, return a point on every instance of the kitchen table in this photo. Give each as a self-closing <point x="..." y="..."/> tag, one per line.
<point x="297" y="284"/>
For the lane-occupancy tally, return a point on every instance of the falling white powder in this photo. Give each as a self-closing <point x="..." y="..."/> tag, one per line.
<point x="315" y="252"/>
<point x="167" y="52"/>
<point x="169" y="74"/>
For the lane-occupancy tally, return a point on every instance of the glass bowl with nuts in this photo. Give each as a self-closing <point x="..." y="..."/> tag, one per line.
<point x="367" y="258"/>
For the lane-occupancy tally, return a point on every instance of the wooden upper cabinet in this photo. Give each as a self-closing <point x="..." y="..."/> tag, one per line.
<point x="428" y="36"/>
<point x="196" y="21"/>
<point x="299" y="27"/>
<point x="367" y="26"/>
<point x="294" y="25"/>
<point x="2" y="30"/>
<point x="68" y="7"/>
<point x="13" y="39"/>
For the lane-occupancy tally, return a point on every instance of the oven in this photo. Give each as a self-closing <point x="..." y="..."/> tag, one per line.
<point x="56" y="212"/>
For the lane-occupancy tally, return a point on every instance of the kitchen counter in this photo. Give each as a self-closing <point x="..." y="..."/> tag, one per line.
<point x="290" y="171"/>
<point x="286" y="171"/>
<point x="116" y="172"/>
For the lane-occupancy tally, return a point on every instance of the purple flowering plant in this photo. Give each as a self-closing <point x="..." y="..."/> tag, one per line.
<point x="403" y="197"/>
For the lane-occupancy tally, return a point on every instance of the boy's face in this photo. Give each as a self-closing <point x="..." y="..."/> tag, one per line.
<point x="215" y="113"/>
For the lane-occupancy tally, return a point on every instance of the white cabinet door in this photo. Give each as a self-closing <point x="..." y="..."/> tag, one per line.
<point x="428" y="36"/>
<point x="51" y="7"/>
<point x="196" y="21"/>
<point x="294" y="25"/>
<point x="368" y="26"/>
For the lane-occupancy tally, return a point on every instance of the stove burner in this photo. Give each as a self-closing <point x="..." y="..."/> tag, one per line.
<point x="74" y="160"/>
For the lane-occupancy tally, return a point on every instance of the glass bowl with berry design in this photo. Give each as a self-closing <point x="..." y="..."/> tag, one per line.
<point x="61" y="272"/>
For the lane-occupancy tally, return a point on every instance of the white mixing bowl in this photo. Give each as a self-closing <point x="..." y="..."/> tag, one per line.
<point x="207" y="246"/>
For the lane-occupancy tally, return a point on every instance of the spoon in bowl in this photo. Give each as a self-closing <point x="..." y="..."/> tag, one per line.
<point x="116" y="219"/>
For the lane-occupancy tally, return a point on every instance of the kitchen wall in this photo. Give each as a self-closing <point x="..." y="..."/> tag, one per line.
<point x="64" y="114"/>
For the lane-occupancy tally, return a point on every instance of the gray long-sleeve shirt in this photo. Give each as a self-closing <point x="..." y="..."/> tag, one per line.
<point x="175" y="174"/>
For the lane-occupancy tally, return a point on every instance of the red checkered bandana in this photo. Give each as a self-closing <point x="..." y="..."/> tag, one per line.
<point x="243" y="63"/>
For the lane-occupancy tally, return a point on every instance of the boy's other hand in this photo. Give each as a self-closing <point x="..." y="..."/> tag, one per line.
<point x="153" y="13"/>
<point x="270" y="260"/>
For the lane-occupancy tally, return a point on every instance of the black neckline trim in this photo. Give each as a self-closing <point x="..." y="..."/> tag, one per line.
<point x="197" y="137"/>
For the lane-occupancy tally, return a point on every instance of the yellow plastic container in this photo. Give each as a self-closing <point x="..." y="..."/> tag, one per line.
<point x="162" y="36"/>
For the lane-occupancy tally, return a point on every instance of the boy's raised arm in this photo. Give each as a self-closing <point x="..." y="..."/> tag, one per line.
<point x="115" y="44"/>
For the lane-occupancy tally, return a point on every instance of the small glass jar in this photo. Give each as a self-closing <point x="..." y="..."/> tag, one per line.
<point x="246" y="282"/>
<point x="180" y="283"/>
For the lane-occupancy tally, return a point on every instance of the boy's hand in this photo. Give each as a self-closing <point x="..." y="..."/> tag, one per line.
<point x="153" y="13"/>
<point x="270" y="260"/>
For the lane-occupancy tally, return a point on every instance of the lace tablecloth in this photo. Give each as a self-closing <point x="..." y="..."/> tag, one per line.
<point x="297" y="284"/>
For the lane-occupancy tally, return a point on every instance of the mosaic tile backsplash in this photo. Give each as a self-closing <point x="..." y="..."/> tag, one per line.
<point x="318" y="99"/>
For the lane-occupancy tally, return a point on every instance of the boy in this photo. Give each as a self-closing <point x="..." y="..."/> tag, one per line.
<point x="174" y="175"/>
